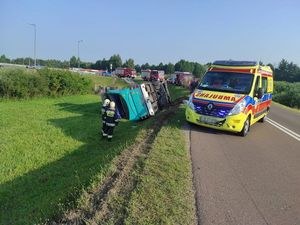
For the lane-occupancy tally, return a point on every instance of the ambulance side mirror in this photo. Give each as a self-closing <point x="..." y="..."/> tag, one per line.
<point x="259" y="93"/>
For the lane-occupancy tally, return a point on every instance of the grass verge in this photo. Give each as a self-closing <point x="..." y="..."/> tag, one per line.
<point x="51" y="153"/>
<point x="50" y="150"/>
<point x="286" y="107"/>
<point x="164" y="191"/>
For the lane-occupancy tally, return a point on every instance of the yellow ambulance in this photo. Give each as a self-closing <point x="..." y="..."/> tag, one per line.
<point x="231" y="96"/>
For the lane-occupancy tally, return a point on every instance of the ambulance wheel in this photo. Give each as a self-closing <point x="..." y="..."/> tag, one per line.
<point x="246" y="128"/>
<point x="262" y="120"/>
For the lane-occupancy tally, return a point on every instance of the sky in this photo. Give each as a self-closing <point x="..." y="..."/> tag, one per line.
<point x="152" y="31"/>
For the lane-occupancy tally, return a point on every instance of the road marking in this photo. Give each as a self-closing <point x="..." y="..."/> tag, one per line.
<point x="284" y="129"/>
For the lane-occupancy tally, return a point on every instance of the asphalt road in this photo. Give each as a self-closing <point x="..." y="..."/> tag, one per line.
<point x="248" y="180"/>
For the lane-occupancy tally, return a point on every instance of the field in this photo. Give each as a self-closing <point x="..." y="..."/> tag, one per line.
<point x="51" y="151"/>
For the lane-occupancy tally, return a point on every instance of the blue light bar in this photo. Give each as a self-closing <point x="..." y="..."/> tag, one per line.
<point x="234" y="63"/>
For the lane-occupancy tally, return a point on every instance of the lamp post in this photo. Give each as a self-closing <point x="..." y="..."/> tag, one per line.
<point x="34" y="26"/>
<point x="78" y="42"/>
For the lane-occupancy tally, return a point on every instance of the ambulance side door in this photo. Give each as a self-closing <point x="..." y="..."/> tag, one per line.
<point x="258" y="96"/>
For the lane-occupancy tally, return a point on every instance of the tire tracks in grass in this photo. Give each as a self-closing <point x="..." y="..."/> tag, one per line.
<point x="107" y="203"/>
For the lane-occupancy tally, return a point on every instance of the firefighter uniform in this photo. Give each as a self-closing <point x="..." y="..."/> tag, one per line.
<point x="104" y="108"/>
<point x="111" y="120"/>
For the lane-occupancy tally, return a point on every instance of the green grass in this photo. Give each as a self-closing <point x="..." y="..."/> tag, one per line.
<point x="286" y="107"/>
<point x="50" y="150"/>
<point x="107" y="81"/>
<point x="178" y="91"/>
<point x="164" y="193"/>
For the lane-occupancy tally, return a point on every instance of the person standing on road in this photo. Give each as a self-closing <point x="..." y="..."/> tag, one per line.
<point x="111" y="120"/>
<point x="104" y="108"/>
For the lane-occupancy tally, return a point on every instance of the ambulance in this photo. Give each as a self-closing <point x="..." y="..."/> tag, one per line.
<point x="232" y="96"/>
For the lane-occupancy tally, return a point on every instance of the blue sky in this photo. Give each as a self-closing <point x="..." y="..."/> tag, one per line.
<point x="153" y="31"/>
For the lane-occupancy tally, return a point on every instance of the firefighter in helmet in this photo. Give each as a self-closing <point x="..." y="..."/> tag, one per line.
<point x="111" y="120"/>
<point x="105" y="107"/>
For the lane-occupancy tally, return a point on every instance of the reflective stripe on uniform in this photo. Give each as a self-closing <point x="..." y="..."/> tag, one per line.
<point x="109" y="136"/>
<point x="104" y="134"/>
<point x="110" y="124"/>
<point x="110" y="113"/>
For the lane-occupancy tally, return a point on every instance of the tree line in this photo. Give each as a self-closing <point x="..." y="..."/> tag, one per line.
<point x="285" y="71"/>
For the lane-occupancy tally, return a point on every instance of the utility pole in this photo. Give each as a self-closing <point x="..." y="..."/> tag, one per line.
<point x="34" y="26"/>
<point x="78" y="42"/>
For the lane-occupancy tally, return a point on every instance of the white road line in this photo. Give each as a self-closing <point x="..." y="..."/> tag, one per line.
<point x="284" y="129"/>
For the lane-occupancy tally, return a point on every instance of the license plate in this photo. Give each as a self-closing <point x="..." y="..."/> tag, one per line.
<point x="208" y="120"/>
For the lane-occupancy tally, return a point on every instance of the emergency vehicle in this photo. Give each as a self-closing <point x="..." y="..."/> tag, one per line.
<point x="145" y="74"/>
<point x="125" y="72"/>
<point x="157" y="75"/>
<point x="232" y="96"/>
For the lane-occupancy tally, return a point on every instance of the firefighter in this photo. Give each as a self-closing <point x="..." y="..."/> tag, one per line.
<point x="105" y="107"/>
<point x="111" y="120"/>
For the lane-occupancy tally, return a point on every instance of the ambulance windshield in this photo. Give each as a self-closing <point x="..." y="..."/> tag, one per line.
<point x="227" y="82"/>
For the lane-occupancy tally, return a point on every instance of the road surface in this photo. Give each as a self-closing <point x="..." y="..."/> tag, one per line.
<point x="249" y="180"/>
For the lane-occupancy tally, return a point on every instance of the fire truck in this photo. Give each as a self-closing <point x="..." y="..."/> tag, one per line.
<point x="157" y="75"/>
<point x="145" y="74"/>
<point x="125" y="72"/>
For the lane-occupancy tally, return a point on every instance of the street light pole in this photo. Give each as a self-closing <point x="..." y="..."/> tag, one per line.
<point x="34" y="26"/>
<point x="78" y="42"/>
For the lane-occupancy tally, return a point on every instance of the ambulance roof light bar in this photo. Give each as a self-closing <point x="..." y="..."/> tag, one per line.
<point x="234" y="63"/>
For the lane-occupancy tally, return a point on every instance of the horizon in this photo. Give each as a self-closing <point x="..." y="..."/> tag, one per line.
<point x="152" y="32"/>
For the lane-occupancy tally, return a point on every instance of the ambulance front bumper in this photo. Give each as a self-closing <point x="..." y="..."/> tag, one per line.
<point x="233" y="123"/>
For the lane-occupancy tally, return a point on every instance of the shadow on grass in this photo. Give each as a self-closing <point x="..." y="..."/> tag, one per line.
<point x="43" y="193"/>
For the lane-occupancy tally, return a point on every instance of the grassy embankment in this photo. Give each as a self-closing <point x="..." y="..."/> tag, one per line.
<point x="164" y="191"/>
<point x="51" y="152"/>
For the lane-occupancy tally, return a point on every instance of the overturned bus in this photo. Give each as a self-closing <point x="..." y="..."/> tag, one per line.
<point x="140" y="101"/>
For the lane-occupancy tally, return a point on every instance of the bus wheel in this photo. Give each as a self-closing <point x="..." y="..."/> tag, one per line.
<point x="246" y="128"/>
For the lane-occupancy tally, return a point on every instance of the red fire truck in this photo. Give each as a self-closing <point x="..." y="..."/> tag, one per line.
<point x="125" y="72"/>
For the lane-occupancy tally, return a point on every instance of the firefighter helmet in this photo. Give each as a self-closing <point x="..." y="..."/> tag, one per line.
<point x="106" y="102"/>
<point x="112" y="105"/>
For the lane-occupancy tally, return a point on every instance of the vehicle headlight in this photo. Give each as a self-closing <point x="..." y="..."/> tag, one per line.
<point x="238" y="108"/>
<point x="190" y="102"/>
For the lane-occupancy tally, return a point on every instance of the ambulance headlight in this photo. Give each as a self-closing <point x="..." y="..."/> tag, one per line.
<point x="190" y="102"/>
<point x="238" y="108"/>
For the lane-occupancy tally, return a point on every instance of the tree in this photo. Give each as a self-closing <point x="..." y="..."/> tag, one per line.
<point x="73" y="62"/>
<point x="160" y="66"/>
<point x="3" y="59"/>
<point x="184" y="66"/>
<point x="129" y="63"/>
<point x="115" y="60"/>
<point x="145" y="66"/>
<point x="138" y="68"/>
<point x="287" y="72"/>
<point x="271" y="66"/>
<point x="169" y="68"/>
<point x="199" y="70"/>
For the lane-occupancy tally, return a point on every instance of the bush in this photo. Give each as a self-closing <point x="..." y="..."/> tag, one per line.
<point x="61" y="82"/>
<point x="20" y="83"/>
<point x="287" y="93"/>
